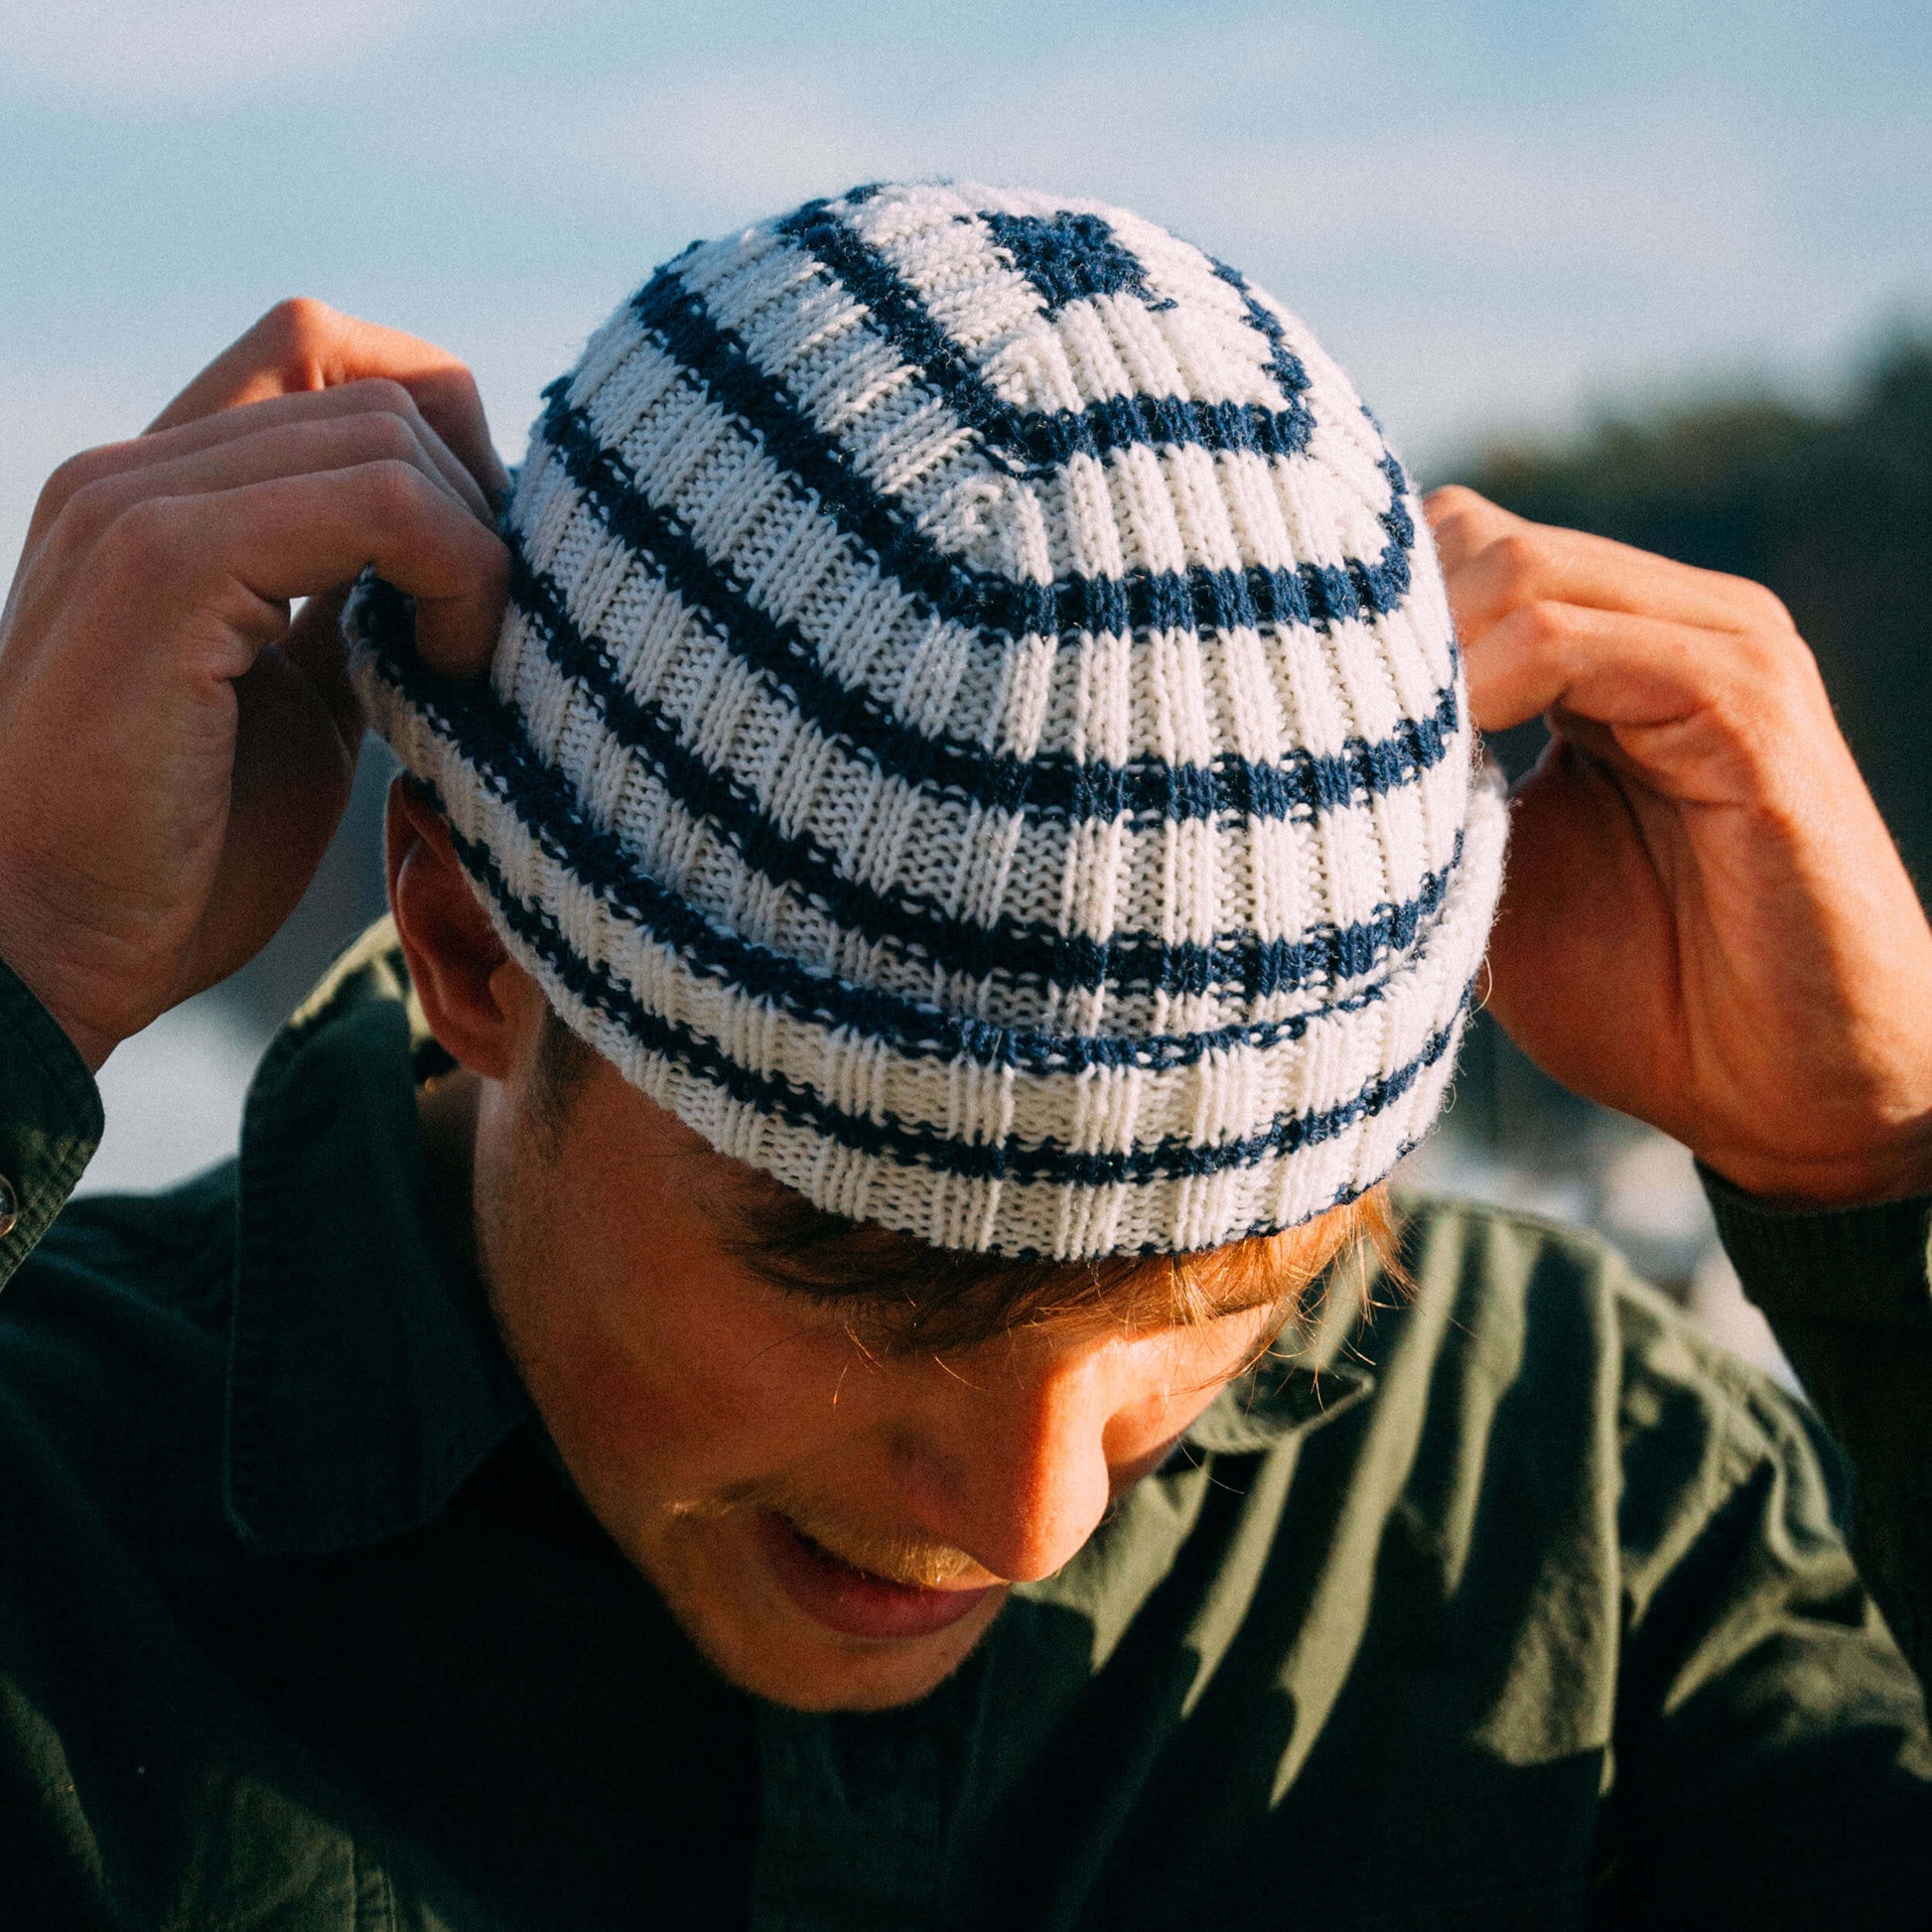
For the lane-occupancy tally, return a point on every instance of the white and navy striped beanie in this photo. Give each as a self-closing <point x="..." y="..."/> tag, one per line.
<point x="978" y="733"/>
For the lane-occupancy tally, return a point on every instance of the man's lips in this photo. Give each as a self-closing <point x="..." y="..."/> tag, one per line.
<point x="856" y="1603"/>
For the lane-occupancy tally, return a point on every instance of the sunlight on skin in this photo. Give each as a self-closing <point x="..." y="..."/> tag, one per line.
<point x="833" y="1527"/>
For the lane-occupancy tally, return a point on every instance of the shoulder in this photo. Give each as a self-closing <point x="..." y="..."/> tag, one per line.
<point x="113" y="1338"/>
<point x="1517" y="1293"/>
<point x="1544" y="1334"/>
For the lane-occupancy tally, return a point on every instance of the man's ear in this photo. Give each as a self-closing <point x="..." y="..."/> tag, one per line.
<point x="473" y="993"/>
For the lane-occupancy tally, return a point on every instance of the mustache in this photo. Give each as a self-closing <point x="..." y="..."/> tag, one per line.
<point x="899" y="1556"/>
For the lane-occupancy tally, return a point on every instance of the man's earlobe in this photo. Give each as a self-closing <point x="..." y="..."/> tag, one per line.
<point x="461" y="970"/>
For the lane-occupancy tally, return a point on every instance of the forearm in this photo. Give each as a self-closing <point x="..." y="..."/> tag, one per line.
<point x="1848" y="1295"/>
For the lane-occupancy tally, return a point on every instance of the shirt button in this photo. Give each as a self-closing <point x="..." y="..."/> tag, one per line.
<point x="9" y="1207"/>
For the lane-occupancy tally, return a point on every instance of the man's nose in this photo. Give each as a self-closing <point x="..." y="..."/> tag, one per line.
<point x="1016" y="1471"/>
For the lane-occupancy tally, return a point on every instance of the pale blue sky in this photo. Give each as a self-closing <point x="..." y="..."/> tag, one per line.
<point x="1501" y="216"/>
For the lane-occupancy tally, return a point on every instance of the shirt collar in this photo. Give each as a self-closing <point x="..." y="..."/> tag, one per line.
<point x="367" y="1382"/>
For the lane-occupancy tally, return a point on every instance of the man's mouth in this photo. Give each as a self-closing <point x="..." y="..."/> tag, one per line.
<point x="858" y="1602"/>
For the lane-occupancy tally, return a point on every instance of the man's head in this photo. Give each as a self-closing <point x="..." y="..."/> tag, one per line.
<point x="723" y="1366"/>
<point x="979" y="751"/>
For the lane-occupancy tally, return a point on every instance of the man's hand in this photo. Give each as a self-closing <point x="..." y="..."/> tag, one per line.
<point x="175" y="752"/>
<point x="1705" y="922"/>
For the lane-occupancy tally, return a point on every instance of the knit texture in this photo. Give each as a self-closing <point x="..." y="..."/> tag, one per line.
<point x="978" y="733"/>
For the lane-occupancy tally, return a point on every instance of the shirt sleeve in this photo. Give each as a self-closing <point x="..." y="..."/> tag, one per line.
<point x="1848" y="1294"/>
<point x="50" y="1120"/>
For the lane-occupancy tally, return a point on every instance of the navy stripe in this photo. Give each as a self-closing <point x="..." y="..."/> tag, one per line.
<point x="477" y="726"/>
<point x="893" y="1139"/>
<point x="920" y="930"/>
<point x="1051" y="784"/>
<point x="718" y="362"/>
<point x="1288" y="367"/>
<point x="1320" y="596"/>
<point x="1046" y="438"/>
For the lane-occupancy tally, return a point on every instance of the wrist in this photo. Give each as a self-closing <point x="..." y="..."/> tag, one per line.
<point x="90" y="1043"/>
<point x="30" y="965"/>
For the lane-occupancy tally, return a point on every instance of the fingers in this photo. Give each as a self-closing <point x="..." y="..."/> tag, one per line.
<point x="302" y="345"/>
<point x="1712" y="716"/>
<point x="381" y="414"/>
<point x="1607" y="666"/>
<point x="1696" y="679"/>
<point x="168" y="778"/>
<point x="371" y="395"/>
<point x="232" y="552"/>
<point x="1496" y="562"/>
<point x="337" y="439"/>
<point x="314" y="645"/>
<point x="1462" y="521"/>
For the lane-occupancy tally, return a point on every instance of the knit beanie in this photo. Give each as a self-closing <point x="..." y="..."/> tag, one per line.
<point x="978" y="733"/>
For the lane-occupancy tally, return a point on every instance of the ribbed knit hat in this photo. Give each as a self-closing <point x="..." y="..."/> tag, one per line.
<point x="978" y="733"/>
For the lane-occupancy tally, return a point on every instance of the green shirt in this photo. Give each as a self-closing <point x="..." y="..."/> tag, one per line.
<point x="1527" y="1609"/>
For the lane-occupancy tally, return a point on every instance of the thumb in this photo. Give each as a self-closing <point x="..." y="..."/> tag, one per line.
<point x="313" y="644"/>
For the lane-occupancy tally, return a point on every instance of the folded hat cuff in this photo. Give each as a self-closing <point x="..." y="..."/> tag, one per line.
<point x="960" y="1132"/>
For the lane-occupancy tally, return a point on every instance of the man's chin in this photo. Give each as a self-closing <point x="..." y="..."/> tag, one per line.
<point x="781" y="1618"/>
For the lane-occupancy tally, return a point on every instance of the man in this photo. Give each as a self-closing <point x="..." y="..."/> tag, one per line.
<point x="782" y="1348"/>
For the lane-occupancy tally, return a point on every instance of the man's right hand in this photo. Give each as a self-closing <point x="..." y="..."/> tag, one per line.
<point x="175" y="752"/>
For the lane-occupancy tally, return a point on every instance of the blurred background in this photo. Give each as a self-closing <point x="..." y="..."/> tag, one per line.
<point x="1659" y="269"/>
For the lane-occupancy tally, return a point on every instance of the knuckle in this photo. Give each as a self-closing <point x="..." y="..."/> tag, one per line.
<point x="68" y="500"/>
<point x="70" y="477"/>
<point x="295" y="327"/>
<point x="1545" y="623"/>
<point x="1452" y="501"/>
<point x="1516" y="560"/>
<point x="1769" y="608"/>
<point x="1753" y="605"/>
<point x="1764" y="689"/>
<point x="92" y="503"/>
<point x="386" y="437"/>
<point x="146" y="536"/>
<point x="451" y="402"/>
<point x="395" y="488"/>
<point x="1780" y="661"/>
<point x="453" y="381"/>
<point x="384" y="394"/>
<point x="1453" y="514"/>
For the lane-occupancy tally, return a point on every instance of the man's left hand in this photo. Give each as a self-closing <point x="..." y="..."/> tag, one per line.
<point x="1705" y="924"/>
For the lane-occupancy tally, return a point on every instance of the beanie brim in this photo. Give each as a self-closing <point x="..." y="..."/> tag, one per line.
<point x="880" y="1108"/>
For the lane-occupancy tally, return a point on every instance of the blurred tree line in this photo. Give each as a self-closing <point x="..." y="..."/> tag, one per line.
<point x="1833" y="510"/>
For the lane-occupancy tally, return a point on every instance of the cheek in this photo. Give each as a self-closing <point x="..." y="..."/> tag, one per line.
<point x="661" y="1376"/>
<point x="1175" y="1380"/>
<point x="646" y="1396"/>
<point x="653" y="1416"/>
